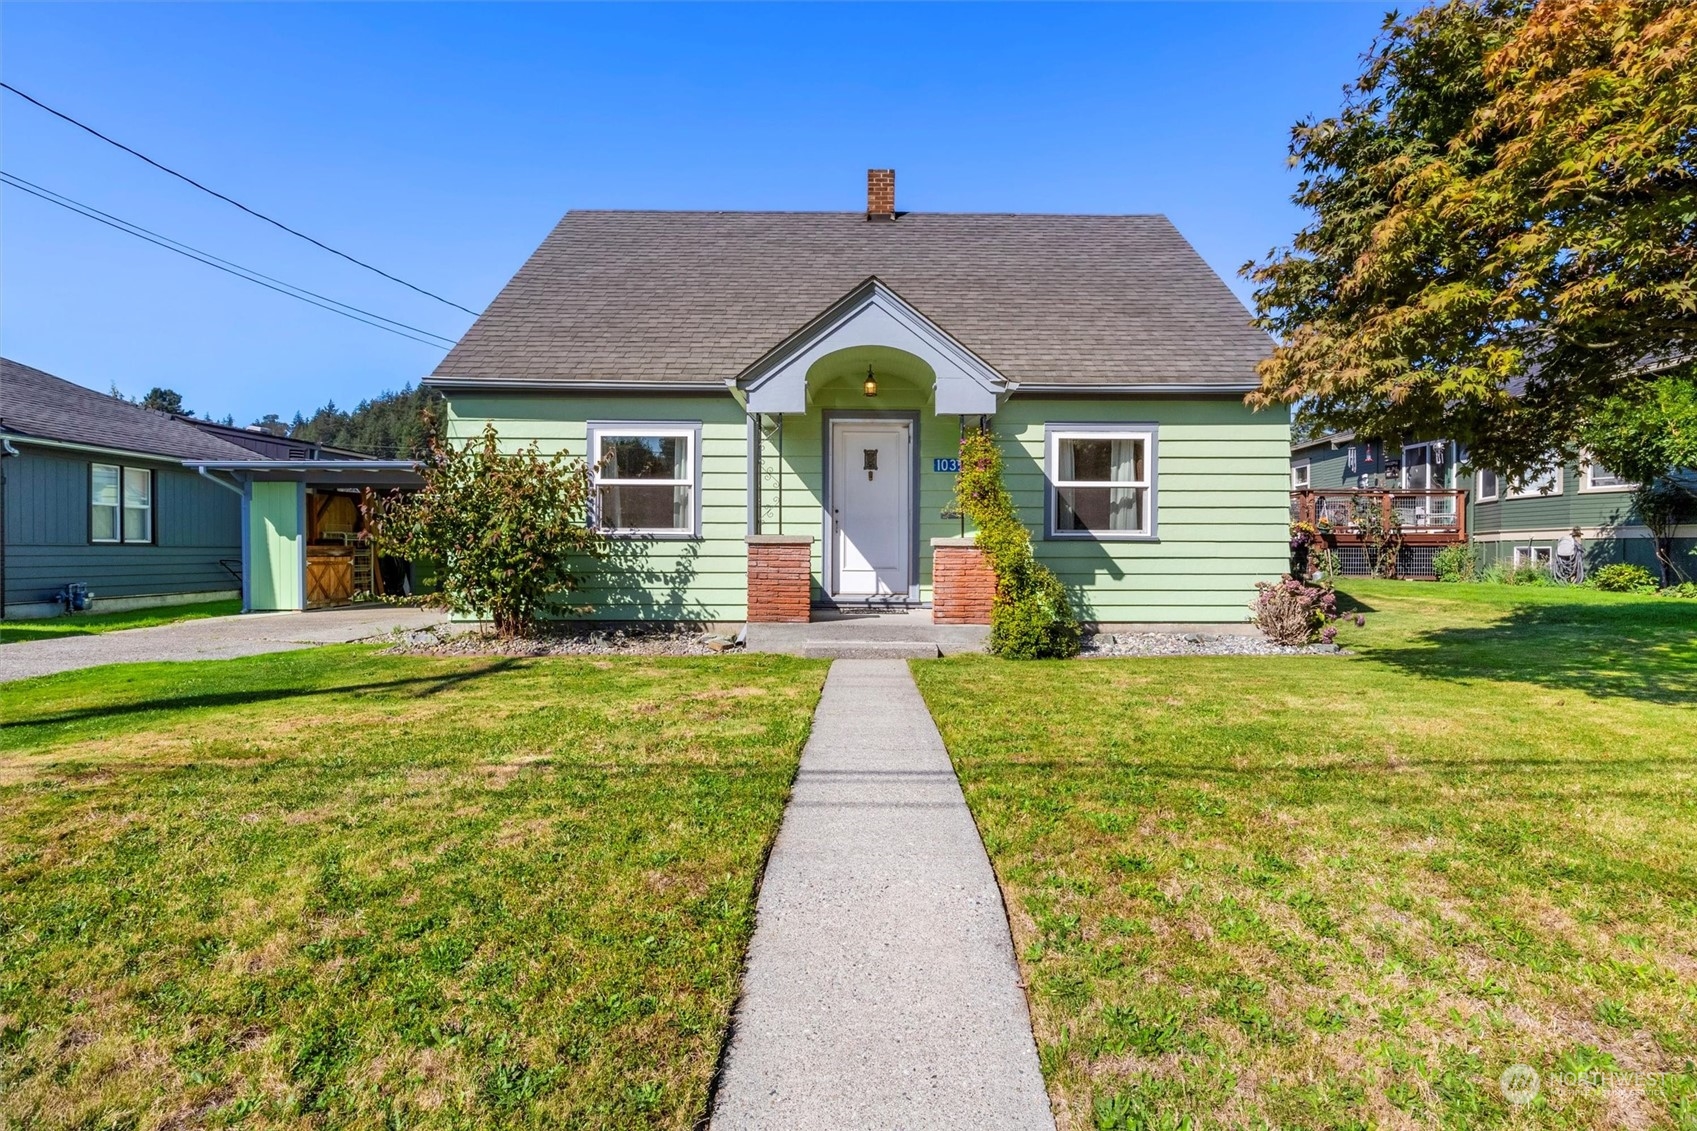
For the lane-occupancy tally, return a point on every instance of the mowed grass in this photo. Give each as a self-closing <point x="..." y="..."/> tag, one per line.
<point x="339" y="889"/>
<point x="88" y="624"/>
<point x="1351" y="891"/>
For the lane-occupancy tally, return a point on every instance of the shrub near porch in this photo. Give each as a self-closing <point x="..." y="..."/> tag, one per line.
<point x="1345" y="892"/>
<point x="336" y="888"/>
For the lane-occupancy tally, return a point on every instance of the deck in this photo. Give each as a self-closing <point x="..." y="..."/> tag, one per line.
<point x="1429" y="521"/>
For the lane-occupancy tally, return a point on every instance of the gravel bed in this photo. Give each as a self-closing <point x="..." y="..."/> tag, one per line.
<point x="1193" y="644"/>
<point x="446" y="640"/>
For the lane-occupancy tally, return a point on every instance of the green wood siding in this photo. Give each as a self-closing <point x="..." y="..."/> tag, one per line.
<point x="195" y="525"/>
<point x="1222" y="505"/>
<point x="1222" y="497"/>
<point x="277" y="547"/>
<point x="799" y="478"/>
<point x="1572" y="507"/>
<point x="700" y="579"/>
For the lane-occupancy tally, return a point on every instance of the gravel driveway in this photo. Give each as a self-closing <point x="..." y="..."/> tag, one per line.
<point x="213" y="638"/>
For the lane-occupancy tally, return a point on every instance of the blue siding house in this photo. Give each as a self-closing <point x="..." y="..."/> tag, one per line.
<point x="94" y="492"/>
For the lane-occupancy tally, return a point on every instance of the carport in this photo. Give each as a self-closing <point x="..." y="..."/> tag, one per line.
<point x="300" y="547"/>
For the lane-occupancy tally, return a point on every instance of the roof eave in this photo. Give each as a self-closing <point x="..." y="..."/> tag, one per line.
<point x="450" y="384"/>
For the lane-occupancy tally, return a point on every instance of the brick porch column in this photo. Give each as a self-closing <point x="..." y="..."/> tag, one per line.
<point x="962" y="582"/>
<point x="780" y="578"/>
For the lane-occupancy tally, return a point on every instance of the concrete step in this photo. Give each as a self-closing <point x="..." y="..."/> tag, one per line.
<point x="870" y="650"/>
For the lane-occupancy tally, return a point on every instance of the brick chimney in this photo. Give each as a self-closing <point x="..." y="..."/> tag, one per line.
<point x="880" y="194"/>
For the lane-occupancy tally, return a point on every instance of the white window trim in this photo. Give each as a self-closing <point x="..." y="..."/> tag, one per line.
<point x="1307" y="483"/>
<point x="1586" y="487"/>
<point x="1544" y="556"/>
<point x="1479" y="495"/>
<point x="123" y="471"/>
<point x="1054" y="434"/>
<point x="1554" y="492"/>
<point x="689" y="430"/>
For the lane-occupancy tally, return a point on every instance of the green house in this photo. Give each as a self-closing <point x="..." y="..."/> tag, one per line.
<point x="773" y="403"/>
<point x="1578" y="503"/>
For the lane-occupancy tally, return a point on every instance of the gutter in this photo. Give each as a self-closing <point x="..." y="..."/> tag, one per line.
<point x="547" y="385"/>
<point x="94" y="449"/>
<point x="6" y="451"/>
<point x="1088" y="390"/>
<point x="206" y="473"/>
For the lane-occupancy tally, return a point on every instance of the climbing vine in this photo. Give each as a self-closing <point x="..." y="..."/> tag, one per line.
<point x="1030" y="618"/>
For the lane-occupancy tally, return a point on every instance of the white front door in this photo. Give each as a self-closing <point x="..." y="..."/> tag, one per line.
<point x="871" y="508"/>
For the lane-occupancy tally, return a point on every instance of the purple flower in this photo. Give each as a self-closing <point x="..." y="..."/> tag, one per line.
<point x="1360" y="621"/>
<point x="1328" y="635"/>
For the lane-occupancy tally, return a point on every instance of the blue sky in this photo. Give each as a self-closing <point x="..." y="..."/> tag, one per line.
<point x="441" y="142"/>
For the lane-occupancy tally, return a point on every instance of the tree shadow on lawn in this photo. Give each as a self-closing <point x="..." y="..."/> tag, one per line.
<point x="1645" y="651"/>
<point x="416" y="687"/>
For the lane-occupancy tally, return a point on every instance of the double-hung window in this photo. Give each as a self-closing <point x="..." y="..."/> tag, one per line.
<point x="120" y="504"/>
<point x="1596" y="477"/>
<point x="1487" y="486"/>
<point x="1101" y="481"/>
<point x="647" y="478"/>
<point x="1540" y="484"/>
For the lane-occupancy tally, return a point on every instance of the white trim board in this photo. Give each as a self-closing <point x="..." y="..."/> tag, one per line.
<point x="874" y="315"/>
<point x="1589" y="533"/>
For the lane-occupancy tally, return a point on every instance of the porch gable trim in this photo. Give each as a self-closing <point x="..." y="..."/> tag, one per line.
<point x="873" y="314"/>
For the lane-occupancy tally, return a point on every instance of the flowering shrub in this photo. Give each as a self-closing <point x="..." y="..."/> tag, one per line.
<point x="1303" y="535"/>
<point x="1294" y="613"/>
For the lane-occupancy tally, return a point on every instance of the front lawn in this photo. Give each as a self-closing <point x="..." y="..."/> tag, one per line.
<point x="1351" y="891"/>
<point x="334" y="888"/>
<point x="87" y="624"/>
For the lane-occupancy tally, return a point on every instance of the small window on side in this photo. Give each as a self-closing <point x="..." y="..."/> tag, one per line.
<point x="104" y="502"/>
<point x="120" y="504"/>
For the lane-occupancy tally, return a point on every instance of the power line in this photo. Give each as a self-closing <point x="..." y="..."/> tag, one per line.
<point x="335" y="306"/>
<point x="227" y="200"/>
<point x="207" y="257"/>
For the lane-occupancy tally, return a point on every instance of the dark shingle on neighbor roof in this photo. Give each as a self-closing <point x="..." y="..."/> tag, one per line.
<point x="33" y="403"/>
<point x="700" y="296"/>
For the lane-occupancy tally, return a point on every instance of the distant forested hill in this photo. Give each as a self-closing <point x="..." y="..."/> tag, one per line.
<point x="390" y="426"/>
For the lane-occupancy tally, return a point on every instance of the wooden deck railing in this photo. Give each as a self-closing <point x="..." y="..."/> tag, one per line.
<point x="1425" y="516"/>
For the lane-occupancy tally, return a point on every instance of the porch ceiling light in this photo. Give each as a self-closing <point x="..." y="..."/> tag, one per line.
<point x="871" y="385"/>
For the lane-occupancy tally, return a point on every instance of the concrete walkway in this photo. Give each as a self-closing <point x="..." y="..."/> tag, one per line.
<point x="892" y="634"/>
<point x="210" y="638"/>
<point x="881" y="989"/>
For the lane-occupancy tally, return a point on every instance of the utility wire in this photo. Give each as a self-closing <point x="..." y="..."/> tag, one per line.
<point x="227" y="200"/>
<point x="335" y="306"/>
<point x="94" y="213"/>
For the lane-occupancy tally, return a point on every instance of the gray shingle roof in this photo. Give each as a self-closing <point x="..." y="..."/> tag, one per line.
<point x="701" y="296"/>
<point x="33" y="403"/>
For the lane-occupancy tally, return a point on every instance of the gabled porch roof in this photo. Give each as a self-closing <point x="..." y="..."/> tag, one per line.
<point x="872" y="314"/>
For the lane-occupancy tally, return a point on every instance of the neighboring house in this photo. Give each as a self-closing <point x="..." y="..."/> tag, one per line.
<point x="1510" y="524"/>
<point x="773" y="402"/>
<point x="95" y="492"/>
<point x="270" y="444"/>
